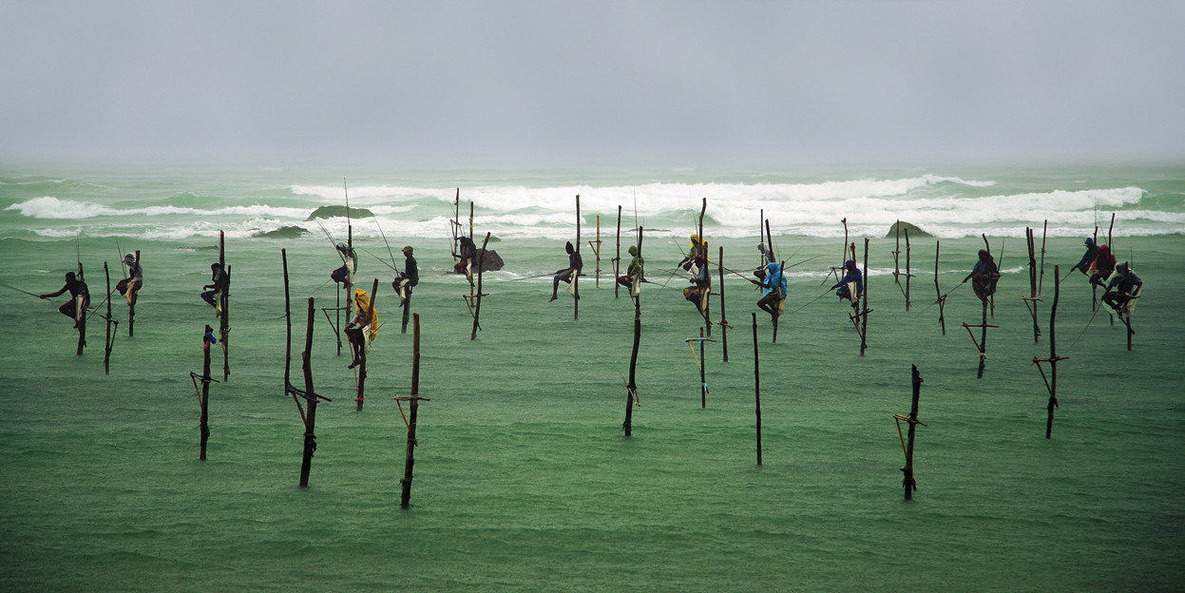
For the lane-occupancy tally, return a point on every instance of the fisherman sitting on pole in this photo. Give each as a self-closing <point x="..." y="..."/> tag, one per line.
<point x="984" y="276"/>
<point x="699" y="248"/>
<point x="701" y="283"/>
<point x="363" y="328"/>
<point x="851" y="286"/>
<point x="80" y="298"/>
<point x="218" y="286"/>
<point x="1103" y="265"/>
<point x="345" y="274"/>
<point x="575" y="264"/>
<point x="1123" y="289"/>
<point x="773" y="281"/>
<point x="633" y="274"/>
<point x="406" y="280"/>
<point x="130" y="286"/>
<point x="1092" y="251"/>
<point x="468" y="252"/>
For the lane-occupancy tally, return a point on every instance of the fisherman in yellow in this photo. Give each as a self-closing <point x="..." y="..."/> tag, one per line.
<point x="699" y="248"/>
<point x="363" y="328"/>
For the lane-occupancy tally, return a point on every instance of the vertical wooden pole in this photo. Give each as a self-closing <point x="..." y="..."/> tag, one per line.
<point x="360" y="396"/>
<point x="1032" y="302"/>
<point x="287" y="324"/>
<point x="941" y="299"/>
<point x="908" y="272"/>
<point x="703" y="370"/>
<point x="407" y="311"/>
<point x="757" y="386"/>
<point x="107" y="344"/>
<point x="897" y="252"/>
<point x="597" y="254"/>
<point x="617" y="256"/>
<point x="706" y="297"/>
<point x="131" y="306"/>
<point x="983" y="341"/>
<point x="414" y="404"/>
<point x="481" y="261"/>
<point x="337" y="312"/>
<point x="723" y="317"/>
<point x="909" y="482"/>
<point x="80" y="315"/>
<point x="1053" y="353"/>
<point x="204" y="421"/>
<point x="1112" y="246"/>
<point x="310" y="420"/>
<point x="1094" y="288"/>
<point x="631" y="386"/>
<point x="864" y="313"/>
<point x="224" y="319"/>
<point x="1041" y="277"/>
<point x="576" y="275"/>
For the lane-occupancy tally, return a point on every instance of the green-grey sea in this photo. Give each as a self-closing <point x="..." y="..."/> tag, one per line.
<point x="524" y="480"/>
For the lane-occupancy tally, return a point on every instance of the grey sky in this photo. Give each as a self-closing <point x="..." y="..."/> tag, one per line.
<point x="458" y="82"/>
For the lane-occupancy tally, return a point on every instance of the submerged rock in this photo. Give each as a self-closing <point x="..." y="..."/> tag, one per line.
<point x="284" y="232"/>
<point x="903" y="226"/>
<point x="332" y="211"/>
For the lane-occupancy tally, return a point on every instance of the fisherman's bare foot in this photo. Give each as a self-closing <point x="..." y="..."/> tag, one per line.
<point x="352" y="364"/>
<point x="553" y="298"/>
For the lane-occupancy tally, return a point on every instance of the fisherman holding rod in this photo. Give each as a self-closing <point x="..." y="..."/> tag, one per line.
<point x="80" y="298"/>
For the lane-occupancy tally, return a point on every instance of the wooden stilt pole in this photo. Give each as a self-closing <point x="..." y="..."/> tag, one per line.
<point x="703" y="366"/>
<point x="481" y="261"/>
<point x="287" y="324"/>
<point x="107" y="343"/>
<point x="908" y="272"/>
<point x="757" y="386"/>
<point x="360" y="396"/>
<point x="204" y="421"/>
<point x="1112" y="246"/>
<point x="1041" y="276"/>
<point x="909" y="483"/>
<point x="337" y="328"/>
<point x="80" y="315"/>
<point x="864" y="313"/>
<point x="575" y="274"/>
<point x="1051" y="380"/>
<point x="941" y="300"/>
<point x="310" y="419"/>
<point x="723" y="319"/>
<point x="897" y="254"/>
<point x="983" y="342"/>
<point x="617" y="257"/>
<point x="705" y="299"/>
<point x="414" y="405"/>
<point x="131" y="306"/>
<point x="1094" y="288"/>
<point x="631" y="386"/>
<point x="596" y="247"/>
<point x="1031" y="302"/>
<point x="224" y="318"/>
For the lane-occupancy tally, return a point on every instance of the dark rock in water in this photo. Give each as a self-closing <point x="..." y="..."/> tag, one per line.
<point x="492" y="262"/>
<point x="332" y="211"/>
<point x="284" y="232"/>
<point x="914" y="231"/>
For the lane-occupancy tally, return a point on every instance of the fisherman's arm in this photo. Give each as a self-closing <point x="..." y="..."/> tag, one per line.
<point x="54" y="294"/>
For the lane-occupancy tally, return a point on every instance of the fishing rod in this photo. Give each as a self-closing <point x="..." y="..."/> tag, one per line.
<point x="811" y="302"/>
<point x="391" y="253"/>
<point x="20" y="291"/>
<point x="381" y="260"/>
<point x="1087" y="326"/>
<point x="330" y="239"/>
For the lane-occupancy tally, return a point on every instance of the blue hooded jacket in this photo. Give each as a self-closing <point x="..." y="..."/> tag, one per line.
<point x="774" y="278"/>
<point x="1092" y="251"/>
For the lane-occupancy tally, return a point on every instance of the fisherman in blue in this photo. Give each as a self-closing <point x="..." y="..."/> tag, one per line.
<point x="1092" y="251"/>
<point x="852" y="277"/>
<point x="984" y="276"/>
<point x="1123" y="288"/>
<point x="774" y="284"/>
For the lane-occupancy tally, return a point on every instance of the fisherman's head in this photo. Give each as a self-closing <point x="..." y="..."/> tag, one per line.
<point x="1089" y="242"/>
<point x="695" y="238"/>
<point x="215" y="266"/>
<point x="761" y="247"/>
<point x="1104" y="249"/>
<point x="209" y="329"/>
<point x="850" y="265"/>
<point x="407" y="250"/>
<point x="633" y="250"/>
<point x="984" y="255"/>
<point x="129" y="258"/>
<point x="69" y="276"/>
<point x="568" y="247"/>
<point x="1121" y="268"/>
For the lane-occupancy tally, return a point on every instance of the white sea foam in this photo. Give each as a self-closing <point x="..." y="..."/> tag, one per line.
<point x="49" y="207"/>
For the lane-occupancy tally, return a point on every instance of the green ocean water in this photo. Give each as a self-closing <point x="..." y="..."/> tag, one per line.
<point x="524" y="481"/>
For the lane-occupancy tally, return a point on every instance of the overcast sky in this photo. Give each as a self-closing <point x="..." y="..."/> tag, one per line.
<point x="696" y="81"/>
